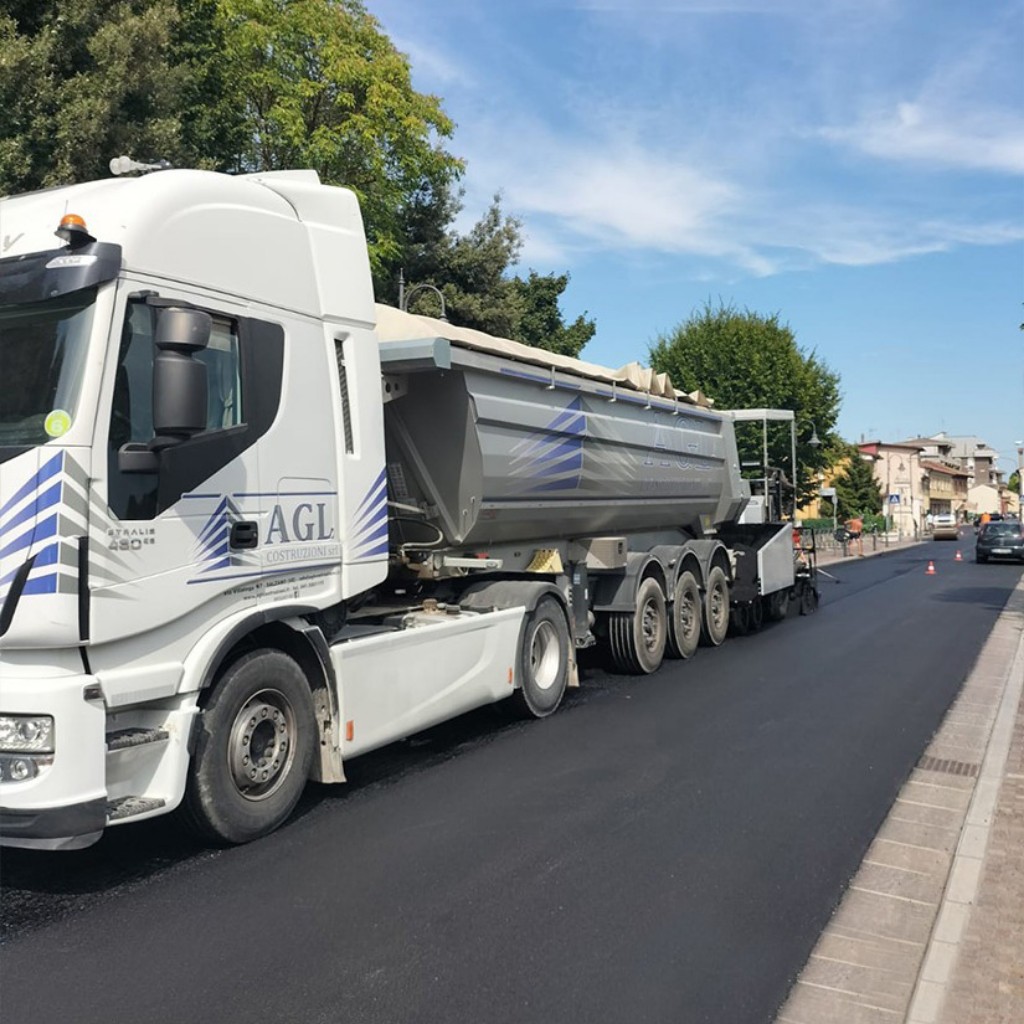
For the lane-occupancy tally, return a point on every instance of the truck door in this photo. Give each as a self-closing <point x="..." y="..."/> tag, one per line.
<point x="169" y="541"/>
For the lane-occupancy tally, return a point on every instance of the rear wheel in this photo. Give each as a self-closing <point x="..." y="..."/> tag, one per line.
<point x="684" y="622"/>
<point x="543" y="660"/>
<point x="638" y="638"/>
<point x="254" y="751"/>
<point x="716" y="607"/>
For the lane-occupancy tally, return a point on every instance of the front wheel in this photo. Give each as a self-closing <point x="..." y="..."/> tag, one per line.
<point x="254" y="752"/>
<point x="543" y="661"/>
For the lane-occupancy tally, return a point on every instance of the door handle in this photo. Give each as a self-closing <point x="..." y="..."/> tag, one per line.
<point x="244" y="534"/>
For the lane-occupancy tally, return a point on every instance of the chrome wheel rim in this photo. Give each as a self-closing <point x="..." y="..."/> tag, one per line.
<point x="545" y="658"/>
<point x="261" y="746"/>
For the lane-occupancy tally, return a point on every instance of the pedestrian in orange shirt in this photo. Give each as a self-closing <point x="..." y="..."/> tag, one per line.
<point x="855" y="527"/>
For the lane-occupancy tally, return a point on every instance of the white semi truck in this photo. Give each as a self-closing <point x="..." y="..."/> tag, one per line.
<point x="253" y="524"/>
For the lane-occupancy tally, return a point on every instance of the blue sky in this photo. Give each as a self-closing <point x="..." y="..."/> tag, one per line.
<point x="856" y="166"/>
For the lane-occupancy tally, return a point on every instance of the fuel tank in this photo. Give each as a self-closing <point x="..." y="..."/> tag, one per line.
<point x="497" y="442"/>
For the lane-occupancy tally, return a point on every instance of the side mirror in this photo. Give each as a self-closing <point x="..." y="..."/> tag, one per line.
<point x="179" y="381"/>
<point x="179" y="387"/>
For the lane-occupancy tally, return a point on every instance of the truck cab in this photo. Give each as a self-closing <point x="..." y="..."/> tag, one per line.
<point x="172" y="382"/>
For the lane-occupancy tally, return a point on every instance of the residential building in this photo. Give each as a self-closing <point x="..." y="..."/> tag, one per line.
<point x="946" y="488"/>
<point x="985" y="484"/>
<point x="899" y="471"/>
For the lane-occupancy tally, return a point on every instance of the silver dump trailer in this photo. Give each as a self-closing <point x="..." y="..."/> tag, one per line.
<point x="506" y="450"/>
<point x="504" y="460"/>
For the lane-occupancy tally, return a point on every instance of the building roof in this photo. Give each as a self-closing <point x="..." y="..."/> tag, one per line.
<point x="902" y="445"/>
<point x="967" y="446"/>
<point x="928" y="442"/>
<point x="938" y="467"/>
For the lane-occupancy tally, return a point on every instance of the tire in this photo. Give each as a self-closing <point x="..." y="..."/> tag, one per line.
<point x="981" y="558"/>
<point x="716" y="608"/>
<point x="756" y="615"/>
<point x="777" y="605"/>
<point x="543" y="661"/>
<point x="255" y="749"/>
<point x="684" y="621"/>
<point x="638" y="638"/>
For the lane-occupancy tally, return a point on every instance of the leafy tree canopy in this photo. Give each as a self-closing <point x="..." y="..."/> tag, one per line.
<point x="473" y="272"/>
<point x="321" y="86"/>
<point x="255" y="85"/>
<point x="858" y="493"/>
<point x="746" y="360"/>
<point x="82" y="81"/>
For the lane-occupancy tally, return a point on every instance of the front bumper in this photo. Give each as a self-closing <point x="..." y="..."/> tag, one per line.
<point x="54" y="828"/>
<point x="64" y="806"/>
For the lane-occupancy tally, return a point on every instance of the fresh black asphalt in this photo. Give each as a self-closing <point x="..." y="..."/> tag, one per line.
<point x="664" y="849"/>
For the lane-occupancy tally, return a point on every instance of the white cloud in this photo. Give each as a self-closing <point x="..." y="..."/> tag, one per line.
<point x="980" y="139"/>
<point x="432" y="63"/>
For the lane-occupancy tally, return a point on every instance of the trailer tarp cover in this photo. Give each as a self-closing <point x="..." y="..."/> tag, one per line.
<point x="395" y="326"/>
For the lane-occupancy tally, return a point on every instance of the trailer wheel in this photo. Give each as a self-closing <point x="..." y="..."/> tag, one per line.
<point x="543" y="661"/>
<point x="684" y="622"/>
<point x="254" y="751"/>
<point x="638" y="638"/>
<point x="716" y="607"/>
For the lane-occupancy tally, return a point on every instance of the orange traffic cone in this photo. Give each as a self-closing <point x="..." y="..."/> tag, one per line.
<point x="930" y="571"/>
<point x="959" y="557"/>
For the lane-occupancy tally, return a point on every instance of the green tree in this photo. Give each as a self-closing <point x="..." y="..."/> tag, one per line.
<point x="746" y="360"/>
<point x="541" y="322"/>
<point x="82" y="81"/>
<point x="858" y="493"/>
<point x="256" y="85"/>
<point x="473" y="272"/>
<point x="320" y="85"/>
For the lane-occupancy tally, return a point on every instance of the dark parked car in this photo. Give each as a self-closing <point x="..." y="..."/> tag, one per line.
<point x="1003" y="539"/>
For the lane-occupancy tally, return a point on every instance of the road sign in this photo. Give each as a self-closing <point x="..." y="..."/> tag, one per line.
<point x="894" y="499"/>
<point x="827" y="492"/>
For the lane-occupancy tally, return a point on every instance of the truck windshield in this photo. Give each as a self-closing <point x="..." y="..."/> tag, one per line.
<point x="42" y="356"/>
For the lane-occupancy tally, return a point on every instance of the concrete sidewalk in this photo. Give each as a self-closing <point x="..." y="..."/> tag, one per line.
<point x="931" y="928"/>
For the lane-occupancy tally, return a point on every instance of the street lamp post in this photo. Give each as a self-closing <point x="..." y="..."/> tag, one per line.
<point x="815" y="442"/>
<point x="404" y="296"/>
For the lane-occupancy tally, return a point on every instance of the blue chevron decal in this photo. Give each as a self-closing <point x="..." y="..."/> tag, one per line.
<point x="369" y="531"/>
<point x="554" y="458"/>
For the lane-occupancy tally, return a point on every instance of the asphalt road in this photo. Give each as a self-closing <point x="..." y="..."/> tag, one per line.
<point x="664" y="849"/>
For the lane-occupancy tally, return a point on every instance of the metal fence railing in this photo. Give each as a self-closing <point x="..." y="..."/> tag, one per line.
<point x="839" y="540"/>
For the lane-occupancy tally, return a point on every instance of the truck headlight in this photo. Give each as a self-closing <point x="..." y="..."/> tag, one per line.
<point x="26" y="734"/>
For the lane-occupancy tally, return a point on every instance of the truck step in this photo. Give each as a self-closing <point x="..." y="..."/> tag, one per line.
<point x="129" y="806"/>
<point x="122" y="739"/>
